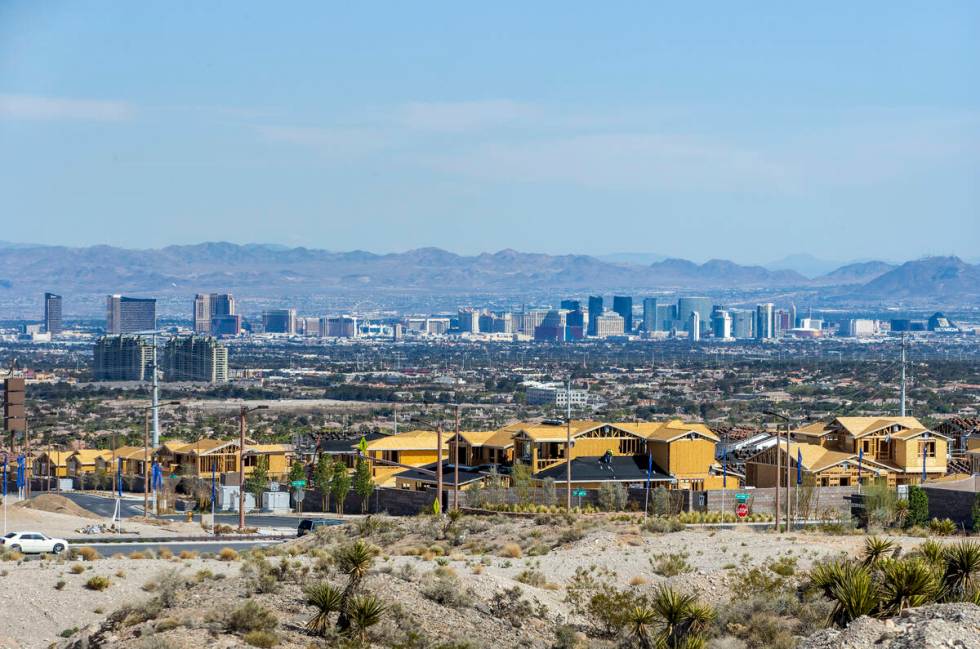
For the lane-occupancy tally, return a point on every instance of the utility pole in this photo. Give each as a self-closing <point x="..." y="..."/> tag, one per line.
<point x="778" y="474"/>
<point x="902" y="398"/>
<point x="568" y="447"/>
<point x="788" y="475"/>
<point x="439" y="464"/>
<point x="241" y="468"/>
<point x="156" y="397"/>
<point x="456" y="464"/>
<point x="146" y="463"/>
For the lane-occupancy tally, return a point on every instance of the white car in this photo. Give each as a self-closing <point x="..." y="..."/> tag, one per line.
<point x="33" y="542"/>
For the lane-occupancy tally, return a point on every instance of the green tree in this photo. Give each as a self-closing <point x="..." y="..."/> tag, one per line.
<point x="363" y="484"/>
<point x="322" y="476"/>
<point x="258" y="481"/>
<point x="297" y="471"/>
<point x="520" y="479"/>
<point x="918" y="506"/>
<point x="339" y="486"/>
<point x="975" y="513"/>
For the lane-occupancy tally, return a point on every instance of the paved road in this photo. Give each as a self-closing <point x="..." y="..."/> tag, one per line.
<point x="103" y="506"/>
<point x="109" y="549"/>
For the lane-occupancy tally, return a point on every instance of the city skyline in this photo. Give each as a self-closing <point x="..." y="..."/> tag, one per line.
<point x="742" y="135"/>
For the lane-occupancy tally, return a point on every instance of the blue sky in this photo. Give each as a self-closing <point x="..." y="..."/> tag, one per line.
<point x="746" y="131"/>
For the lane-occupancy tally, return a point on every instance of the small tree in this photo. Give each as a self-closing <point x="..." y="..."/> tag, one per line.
<point x="322" y="477"/>
<point x="363" y="484"/>
<point x="975" y="513"/>
<point x="258" y="481"/>
<point x="520" y="479"/>
<point x="548" y="495"/>
<point x="297" y="472"/>
<point x="339" y="486"/>
<point x="918" y="506"/>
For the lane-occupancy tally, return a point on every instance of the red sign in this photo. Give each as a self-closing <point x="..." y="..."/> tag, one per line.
<point x="742" y="510"/>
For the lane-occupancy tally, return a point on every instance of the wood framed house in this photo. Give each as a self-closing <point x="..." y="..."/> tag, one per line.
<point x="392" y="454"/>
<point x="901" y="444"/>
<point x="686" y="452"/>
<point x="821" y="466"/>
<point x="83" y="461"/>
<point x="484" y="448"/>
<point x="51" y="464"/>
<point x="278" y="456"/>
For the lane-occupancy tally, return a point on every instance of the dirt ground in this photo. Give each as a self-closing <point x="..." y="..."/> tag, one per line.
<point x="64" y="525"/>
<point x="483" y="556"/>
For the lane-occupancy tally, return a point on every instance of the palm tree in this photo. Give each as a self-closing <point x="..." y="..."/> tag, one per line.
<point x="354" y="560"/>
<point x="875" y="549"/>
<point x="906" y="583"/>
<point x="961" y="574"/>
<point x="365" y="612"/>
<point x="327" y="599"/>
<point x="641" y="618"/>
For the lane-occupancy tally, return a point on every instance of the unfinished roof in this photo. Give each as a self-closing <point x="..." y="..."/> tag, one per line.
<point x="411" y="440"/>
<point x="816" y="458"/>
<point x="542" y="432"/>
<point x="89" y="455"/>
<point x="667" y="431"/>
<point x="860" y="426"/>
<point x="619" y="468"/>
<point x="268" y="449"/>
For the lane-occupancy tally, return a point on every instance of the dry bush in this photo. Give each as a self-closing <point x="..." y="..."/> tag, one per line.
<point x="76" y="569"/>
<point x="187" y="554"/>
<point x="97" y="582"/>
<point x="511" y="550"/>
<point x="227" y="554"/>
<point x="88" y="554"/>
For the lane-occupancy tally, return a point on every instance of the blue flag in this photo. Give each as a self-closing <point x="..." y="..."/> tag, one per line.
<point x="119" y="477"/>
<point x="724" y="472"/>
<point x="799" y="466"/>
<point x="924" y="453"/>
<point x="21" y="477"/>
<point x="157" y="476"/>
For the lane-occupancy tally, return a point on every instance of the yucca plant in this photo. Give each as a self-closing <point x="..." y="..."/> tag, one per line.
<point x="365" y="612"/>
<point x="328" y="600"/>
<point x="854" y="595"/>
<point x="905" y="584"/>
<point x="641" y="620"/>
<point x="942" y="526"/>
<point x="876" y="549"/>
<point x="354" y="560"/>
<point x="961" y="573"/>
<point x="826" y="576"/>
<point x="683" y="620"/>
<point x="932" y="551"/>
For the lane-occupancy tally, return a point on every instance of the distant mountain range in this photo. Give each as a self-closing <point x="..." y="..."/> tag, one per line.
<point x="261" y="270"/>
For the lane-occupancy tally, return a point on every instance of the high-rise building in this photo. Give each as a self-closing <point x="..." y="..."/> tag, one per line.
<point x="126" y="315"/>
<point x="195" y="358"/>
<point x="279" y="321"/>
<point x="469" y="319"/>
<point x="343" y="326"/>
<point x="595" y="310"/>
<point x="552" y="327"/>
<point x="743" y="323"/>
<point x="208" y="306"/>
<point x="694" y="327"/>
<point x="623" y="305"/>
<point x="793" y="319"/>
<point x="765" y="322"/>
<point x="721" y="324"/>
<point x="688" y="305"/>
<point x="122" y="358"/>
<point x="650" y="323"/>
<point x="52" y="313"/>
<point x="226" y="325"/>
<point x="610" y="324"/>
<point x="571" y="305"/>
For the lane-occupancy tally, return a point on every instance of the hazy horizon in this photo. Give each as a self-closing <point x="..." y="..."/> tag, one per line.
<point x="750" y="134"/>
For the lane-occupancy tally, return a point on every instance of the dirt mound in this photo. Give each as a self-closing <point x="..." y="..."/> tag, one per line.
<point x="57" y="504"/>
<point x="929" y="627"/>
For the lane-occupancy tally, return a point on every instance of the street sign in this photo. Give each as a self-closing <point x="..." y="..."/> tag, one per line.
<point x="742" y="510"/>
<point x="742" y="498"/>
<point x="578" y="493"/>
<point x="298" y="484"/>
<point x="299" y="495"/>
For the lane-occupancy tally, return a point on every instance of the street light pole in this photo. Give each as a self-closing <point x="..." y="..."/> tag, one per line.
<point x="155" y="407"/>
<point x="456" y="464"/>
<point x="241" y="463"/>
<point x="568" y="447"/>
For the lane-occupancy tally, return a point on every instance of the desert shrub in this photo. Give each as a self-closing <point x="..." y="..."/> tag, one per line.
<point x="251" y="616"/>
<point x="227" y="554"/>
<point x="785" y="566"/>
<point x="60" y="584"/>
<point x="88" y="554"/>
<point x="444" y="588"/>
<point x="942" y="527"/>
<point x="918" y="507"/>
<point x="532" y="577"/>
<point x="137" y="555"/>
<point x="880" y="502"/>
<point x="97" y="582"/>
<point x="660" y="502"/>
<point x="548" y="494"/>
<point x="76" y="569"/>
<point x="511" y="605"/>
<point x="670" y="565"/>
<point x="658" y="525"/>
<point x="511" y="550"/>
<point x="187" y="554"/>
<point x="259" y="638"/>
<point x="166" y="554"/>
<point x="612" y="497"/>
<point x="591" y="595"/>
